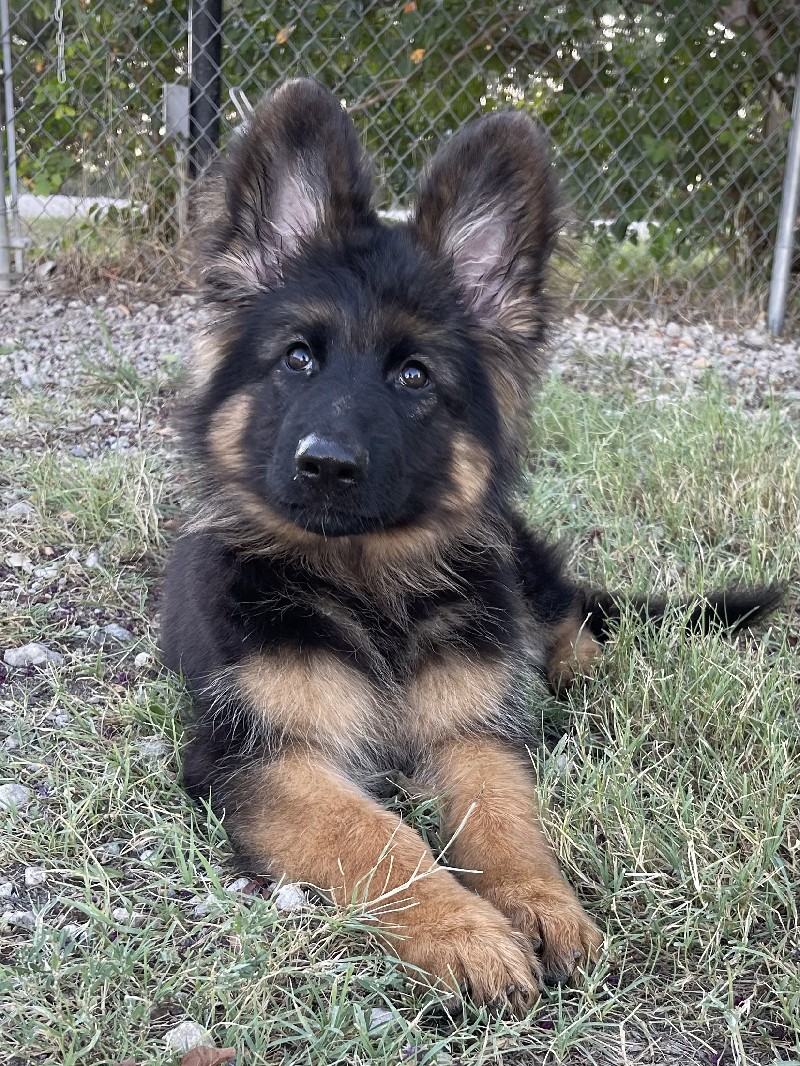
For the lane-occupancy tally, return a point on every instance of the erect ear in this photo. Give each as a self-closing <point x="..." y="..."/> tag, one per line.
<point x="489" y="203"/>
<point x="297" y="170"/>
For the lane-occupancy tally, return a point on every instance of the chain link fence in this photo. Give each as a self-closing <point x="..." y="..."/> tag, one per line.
<point x="669" y="121"/>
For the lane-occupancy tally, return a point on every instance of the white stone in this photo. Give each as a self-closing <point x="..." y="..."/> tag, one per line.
<point x="22" y="509"/>
<point x="378" y="1017"/>
<point x="142" y="660"/>
<point x="92" y="560"/>
<point x="7" y="890"/>
<point x="239" y="885"/>
<point x="118" y="633"/>
<point x="20" y="919"/>
<point x="186" y="1036"/>
<point x="289" y="898"/>
<point x="34" y="876"/>
<point x="32" y="654"/>
<point x="14" y="795"/>
<point x="152" y="747"/>
<point x="74" y="930"/>
<point x="202" y="907"/>
<point x="18" y="561"/>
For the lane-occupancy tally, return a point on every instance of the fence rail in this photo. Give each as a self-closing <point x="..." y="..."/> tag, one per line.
<point x="670" y="122"/>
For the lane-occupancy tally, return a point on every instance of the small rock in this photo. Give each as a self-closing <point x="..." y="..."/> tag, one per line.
<point x="126" y="916"/>
<point x="202" y="907"/>
<point x="74" y="930"/>
<point x="186" y="1036"/>
<point x="96" y="420"/>
<point x="20" y="919"/>
<point x="74" y="556"/>
<point x="118" y="633"/>
<point x="92" y="560"/>
<point x="112" y="849"/>
<point x="78" y="451"/>
<point x="45" y="269"/>
<point x="152" y="747"/>
<point x="61" y="719"/>
<point x="21" y="509"/>
<point x="7" y="890"/>
<point x="142" y="660"/>
<point x="45" y="571"/>
<point x="11" y="743"/>
<point x="672" y="329"/>
<point x="31" y="655"/>
<point x="34" y="876"/>
<point x="379" y="1017"/>
<point x="289" y="898"/>
<point x="19" y="562"/>
<point x="239" y="885"/>
<point x="14" y="795"/>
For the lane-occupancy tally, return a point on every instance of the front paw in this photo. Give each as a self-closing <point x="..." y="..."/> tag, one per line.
<point x="464" y="944"/>
<point x="550" y="917"/>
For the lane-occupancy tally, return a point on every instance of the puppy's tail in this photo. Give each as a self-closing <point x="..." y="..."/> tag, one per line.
<point x="733" y="609"/>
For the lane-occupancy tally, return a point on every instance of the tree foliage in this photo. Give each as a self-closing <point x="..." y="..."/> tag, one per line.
<point x="673" y="112"/>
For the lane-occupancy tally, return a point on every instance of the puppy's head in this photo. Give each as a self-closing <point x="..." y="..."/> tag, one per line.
<point x="358" y="379"/>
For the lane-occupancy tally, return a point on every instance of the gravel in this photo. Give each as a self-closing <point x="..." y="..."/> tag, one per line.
<point x="49" y="342"/>
<point x="753" y="363"/>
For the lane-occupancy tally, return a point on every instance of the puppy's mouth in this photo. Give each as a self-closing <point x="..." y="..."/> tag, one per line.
<point x="332" y="521"/>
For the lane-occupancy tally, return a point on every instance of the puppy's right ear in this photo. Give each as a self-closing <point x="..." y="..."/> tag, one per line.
<point x="297" y="171"/>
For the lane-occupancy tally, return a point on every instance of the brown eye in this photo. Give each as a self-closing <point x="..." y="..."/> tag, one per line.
<point x="414" y="376"/>
<point x="300" y="358"/>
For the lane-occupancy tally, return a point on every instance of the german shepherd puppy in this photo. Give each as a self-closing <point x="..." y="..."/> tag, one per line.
<point x="356" y="595"/>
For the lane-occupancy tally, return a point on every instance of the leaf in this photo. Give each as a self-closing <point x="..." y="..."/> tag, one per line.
<point x="417" y="55"/>
<point x="282" y="36"/>
<point x="208" y="1056"/>
<point x="409" y="8"/>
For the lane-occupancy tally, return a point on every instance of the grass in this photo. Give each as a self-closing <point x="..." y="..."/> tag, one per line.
<point x="671" y="787"/>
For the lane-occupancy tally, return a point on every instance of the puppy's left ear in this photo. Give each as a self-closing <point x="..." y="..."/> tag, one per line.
<point x="489" y="203"/>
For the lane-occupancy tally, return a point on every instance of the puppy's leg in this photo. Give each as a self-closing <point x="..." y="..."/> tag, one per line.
<point x="303" y="818"/>
<point x="489" y="818"/>
<point x="572" y="652"/>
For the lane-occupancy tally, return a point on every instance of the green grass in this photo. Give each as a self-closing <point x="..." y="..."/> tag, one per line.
<point x="672" y="788"/>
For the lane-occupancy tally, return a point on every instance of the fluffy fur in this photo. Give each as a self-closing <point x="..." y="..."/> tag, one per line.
<point x="355" y="595"/>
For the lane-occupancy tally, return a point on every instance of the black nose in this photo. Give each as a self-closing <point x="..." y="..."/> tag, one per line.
<point x="329" y="464"/>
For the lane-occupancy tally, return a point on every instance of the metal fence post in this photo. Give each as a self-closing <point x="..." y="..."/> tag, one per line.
<point x="784" y="244"/>
<point x="5" y="262"/>
<point x="205" y="65"/>
<point x="11" y="137"/>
